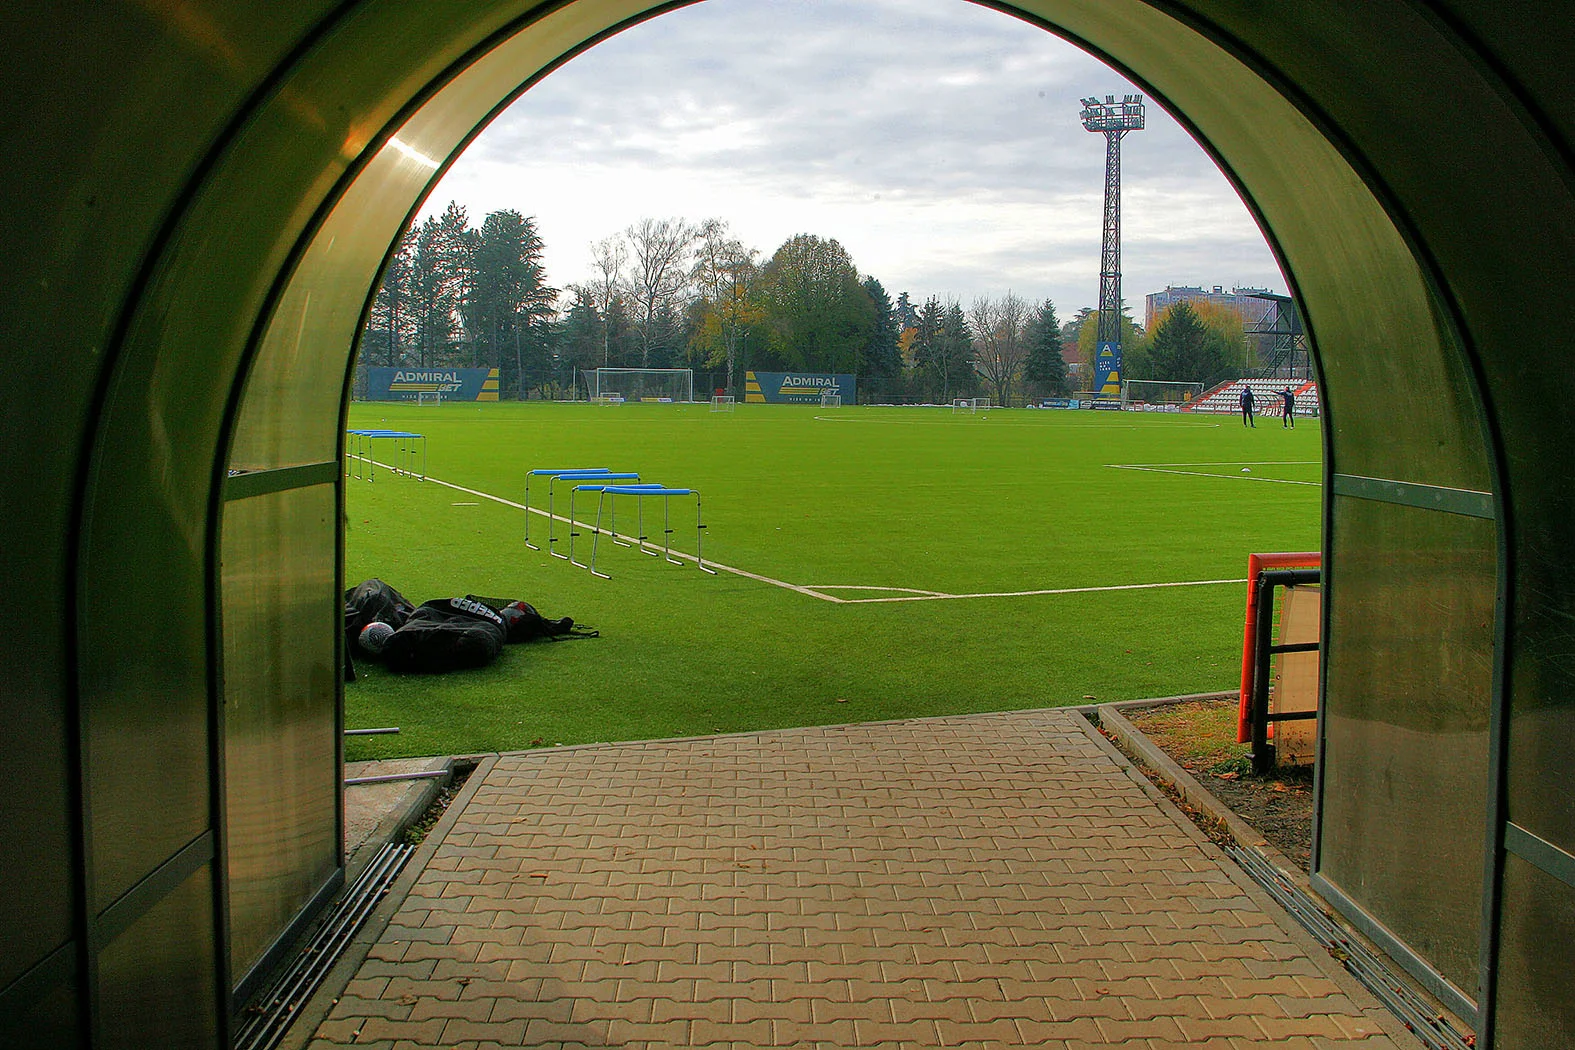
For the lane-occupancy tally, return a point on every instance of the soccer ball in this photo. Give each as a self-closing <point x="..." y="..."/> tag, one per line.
<point x="374" y="636"/>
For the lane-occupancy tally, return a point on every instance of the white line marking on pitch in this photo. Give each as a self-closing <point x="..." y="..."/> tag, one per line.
<point x="1048" y="590"/>
<point x="1207" y="474"/>
<point x="1039" y="426"/>
<point x="677" y="554"/>
<point x="910" y="594"/>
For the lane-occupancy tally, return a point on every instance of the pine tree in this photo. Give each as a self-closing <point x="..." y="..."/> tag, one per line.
<point x="880" y="356"/>
<point x="1183" y="350"/>
<point x="1046" y="366"/>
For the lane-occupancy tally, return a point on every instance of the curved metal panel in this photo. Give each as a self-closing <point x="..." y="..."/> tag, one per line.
<point x="1408" y="676"/>
<point x="281" y="720"/>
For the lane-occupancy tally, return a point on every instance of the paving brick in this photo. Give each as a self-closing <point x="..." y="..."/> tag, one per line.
<point x="985" y="881"/>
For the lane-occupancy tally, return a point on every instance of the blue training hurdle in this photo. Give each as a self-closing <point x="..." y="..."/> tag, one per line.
<point x="550" y="473"/>
<point x="597" y="476"/>
<point x="596" y="530"/>
<point x="360" y="444"/>
<point x="639" y="492"/>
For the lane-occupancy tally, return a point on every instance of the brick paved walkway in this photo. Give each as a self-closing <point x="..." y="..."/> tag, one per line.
<point x="987" y="881"/>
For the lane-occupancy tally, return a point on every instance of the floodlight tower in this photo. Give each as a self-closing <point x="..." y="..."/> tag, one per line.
<point x="1112" y="119"/>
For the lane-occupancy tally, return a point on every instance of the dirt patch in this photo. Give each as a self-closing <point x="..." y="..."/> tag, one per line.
<point x="1200" y="736"/>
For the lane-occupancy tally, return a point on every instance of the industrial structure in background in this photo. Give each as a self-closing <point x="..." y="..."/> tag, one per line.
<point x="1270" y="321"/>
<point x="1113" y="120"/>
<point x="1281" y="339"/>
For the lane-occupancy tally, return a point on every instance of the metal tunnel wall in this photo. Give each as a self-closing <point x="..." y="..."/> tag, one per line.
<point x="201" y="195"/>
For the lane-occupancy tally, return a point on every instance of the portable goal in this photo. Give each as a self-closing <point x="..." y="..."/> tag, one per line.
<point x="830" y="399"/>
<point x="722" y="402"/>
<point x="429" y="397"/>
<point x="970" y="404"/>
<point x="1159" y="392"/>
<point x="621" y="385"/>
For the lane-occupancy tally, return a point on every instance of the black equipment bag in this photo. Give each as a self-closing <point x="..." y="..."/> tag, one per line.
<point x="524" y="624"/>
<point x="446" y="634"/>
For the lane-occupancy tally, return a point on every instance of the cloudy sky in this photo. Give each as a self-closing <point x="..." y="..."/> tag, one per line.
<point x="937" y="140"/>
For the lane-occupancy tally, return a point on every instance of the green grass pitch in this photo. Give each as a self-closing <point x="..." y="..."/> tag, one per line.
<point x="862" y="503"/>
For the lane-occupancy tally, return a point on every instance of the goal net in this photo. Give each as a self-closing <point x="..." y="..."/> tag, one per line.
<point x="830" y="399"/>
<point x="1159" y="392"/>
<point x="640" y="384"/>
<point x="429" y="397"/>
<point x="970" y="404"/>
<point x="722" y="402"/>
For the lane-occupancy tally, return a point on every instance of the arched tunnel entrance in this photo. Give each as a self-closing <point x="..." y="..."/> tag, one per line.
<point x="203" y="194"/>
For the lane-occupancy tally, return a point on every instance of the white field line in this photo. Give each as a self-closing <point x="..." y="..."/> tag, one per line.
<point x="909" y="594"/>
<point x="1037" y="426"/>
<point x="632" y="539"/>
<point x="1049" y="590"/>
<point x="1168" y="468"/>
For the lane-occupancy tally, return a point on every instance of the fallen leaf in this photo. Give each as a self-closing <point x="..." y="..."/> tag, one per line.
<point x="1089" y="696"/>
<point x="1228" y="776"/>
<point x="538" y="874"/>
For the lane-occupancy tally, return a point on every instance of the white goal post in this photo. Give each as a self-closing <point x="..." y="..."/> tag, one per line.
<point x="722" y="403"/>
<point x="830" y="399"/>
<point x="429" y="397"/>
<point x="1159" y="392"/>
<point x="641" y="384"/>
<point x="970" y="404"/>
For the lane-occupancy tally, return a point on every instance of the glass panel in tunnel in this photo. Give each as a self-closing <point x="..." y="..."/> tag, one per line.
<point x="1541" y="791"/>
<point x="1408" y="677"/>
<point x="1430" y="399"/>
<point x="290" y="415"/>
<point x="1536" y="1009"/>
<point x="281" y="619"/>
<point x="156" y="980"/>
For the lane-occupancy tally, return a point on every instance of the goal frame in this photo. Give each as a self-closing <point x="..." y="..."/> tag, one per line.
<point x="1195" y="389"/>
<point x="830" y="399"/>
<point x="723" y="403"/>
<point x="601" y="381"/>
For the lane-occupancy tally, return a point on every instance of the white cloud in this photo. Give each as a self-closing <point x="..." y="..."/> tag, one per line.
<point x="937" y="140"/>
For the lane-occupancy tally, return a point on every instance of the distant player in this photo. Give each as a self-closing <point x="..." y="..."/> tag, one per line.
<point x="1246" y="408"/>
<point x="1289" y="416"/>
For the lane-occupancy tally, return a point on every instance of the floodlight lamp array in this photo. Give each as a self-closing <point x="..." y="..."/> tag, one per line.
<point x="1109" y="115"/>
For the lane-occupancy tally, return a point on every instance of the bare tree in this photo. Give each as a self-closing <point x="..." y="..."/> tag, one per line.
<point x="658" y="276"/>
<point x="610" y="255"/>
<point x="723" y="273"/>
<point x="1000" y="349"/>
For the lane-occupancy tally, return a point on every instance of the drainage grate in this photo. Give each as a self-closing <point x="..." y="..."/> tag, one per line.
<point x="1393" y="990"/>
<point x="267" y="1021"/>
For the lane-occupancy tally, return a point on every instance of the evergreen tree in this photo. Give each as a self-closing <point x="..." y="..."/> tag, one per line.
<point x="580" y="337"/>
<point x="388" y="328"/>
<point x="927" y="357"/>
<point x="1183" y="349"/>
<point x="1046" y="367"/>
<point x="511" y="302"/>
<point x="956" y="353"/>
<point x="440" y="268"/>
<point x="880" y="356"/>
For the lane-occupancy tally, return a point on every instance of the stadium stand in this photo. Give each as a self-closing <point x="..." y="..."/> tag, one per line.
<point x="1226" y="397"/>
